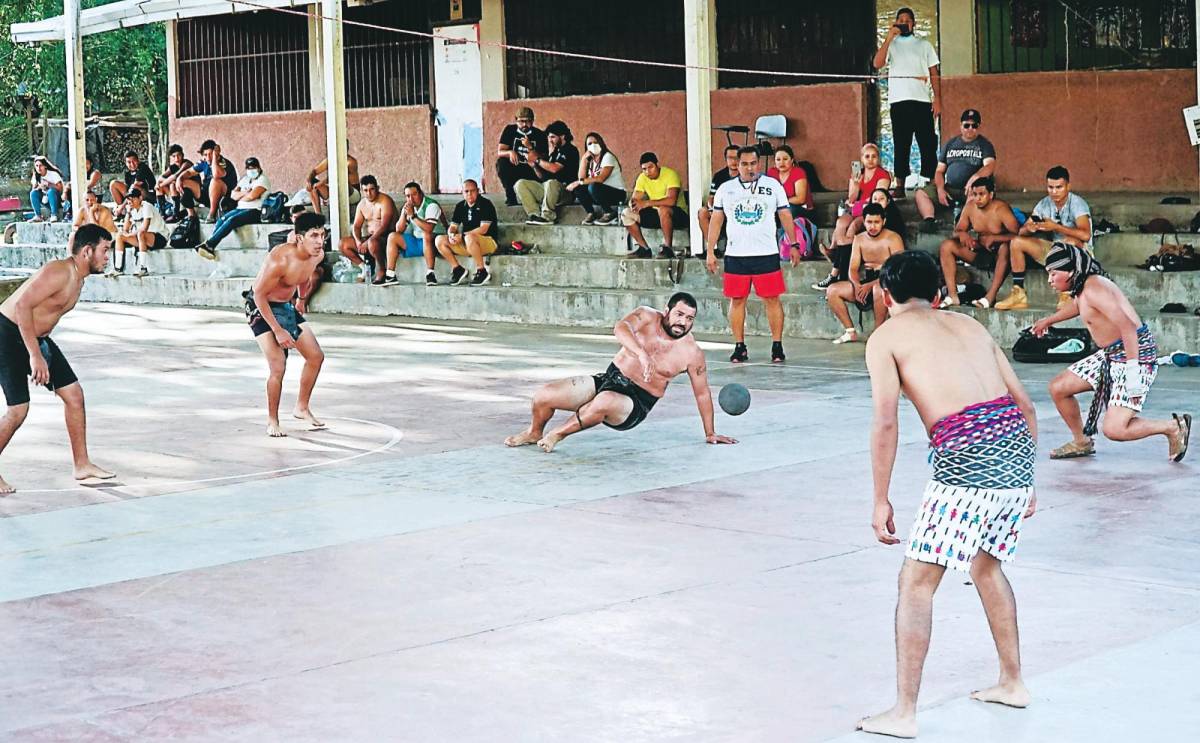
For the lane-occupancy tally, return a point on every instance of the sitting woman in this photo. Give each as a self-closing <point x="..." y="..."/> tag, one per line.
<point x="800" y="200"/>
<point x="892" y="218"/>
<point x="866" y="177"/>
<point x="600" y="188"/>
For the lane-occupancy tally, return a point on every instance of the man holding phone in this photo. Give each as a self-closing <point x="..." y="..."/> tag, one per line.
<point x="914" y="95"/>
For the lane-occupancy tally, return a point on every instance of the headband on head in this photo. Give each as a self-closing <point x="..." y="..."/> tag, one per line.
<point x="1076" y="261"/>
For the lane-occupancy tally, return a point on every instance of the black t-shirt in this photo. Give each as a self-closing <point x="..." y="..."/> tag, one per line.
<point x="143" y="174"/>
<point x="568" y="155"/>
<point x="470" y="217"/>
<point x="718" y="179"/>
<point x="512" y="137"/>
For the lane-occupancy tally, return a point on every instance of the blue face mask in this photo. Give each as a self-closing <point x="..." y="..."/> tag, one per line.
<point x="252" y="174"/>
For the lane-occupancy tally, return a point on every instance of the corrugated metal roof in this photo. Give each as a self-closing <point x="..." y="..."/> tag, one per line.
<point x="137" y="13"/>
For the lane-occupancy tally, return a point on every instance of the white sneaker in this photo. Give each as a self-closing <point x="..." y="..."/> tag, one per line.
<point x="141" y="271"/>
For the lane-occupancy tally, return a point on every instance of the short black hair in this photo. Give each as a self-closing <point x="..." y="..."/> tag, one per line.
<point x="1058" y="172"/>
<point x="308" y="221"/>
<point x="909" y="274"/>
<point x="904" y="10"/>
<point x="559" y="128"/>
<point x="208" y="144"/>
<point x="729" y="147"/>
<point x="368" y="180"/>
<point x="788" y="149"/>
<point x="874" y="210"/>
<point x="987" y="182"/>
<point x="295" y="209"/>
<point x="678" y="297"/>
<point x="88" y="236"/>
<point x="414" y="184"/>
<point x="748" y="150"/>
<point x="174" y="149"/>
<point x="134" y="193"/>
<point x="132" y="153"/>
<point x="648" y="157"/>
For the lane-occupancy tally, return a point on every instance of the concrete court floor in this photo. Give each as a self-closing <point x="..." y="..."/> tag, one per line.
<point x="405" y="577"/>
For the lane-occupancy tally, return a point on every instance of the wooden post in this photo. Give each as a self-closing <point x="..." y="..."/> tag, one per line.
<point x="698" y="32"/>
<point x="76" y="147"/>
<point x="335" y="119"/>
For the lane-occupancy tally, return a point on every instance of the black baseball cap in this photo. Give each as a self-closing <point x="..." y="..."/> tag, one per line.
<point x="971" y="115"/>
<point x="208" y="144"/>
<point x="252" y="162"/>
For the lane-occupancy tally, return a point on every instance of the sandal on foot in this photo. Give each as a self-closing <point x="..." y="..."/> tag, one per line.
<point x="1072" y="450"/>
<point x="948" y="302"/>
<point x="982" y="303"/>
<point x="849" y="336"/>
<point x="1179" y="441"/>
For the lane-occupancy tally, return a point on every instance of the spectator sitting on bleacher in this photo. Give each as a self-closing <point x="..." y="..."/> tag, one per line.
<point x="377" y="213"/>
<point x="248" y="194"/>
<point x="866" y="177"/>
<point x="993" y="223"/>
<point x="137" y="175"/>
<point x="657" y="202"/>
<point x="704" y="213"/>
<point x="600" y="188"/>
<point x="800" y="200"/>
<point x="91" y="183"/>
<point x="419" y="217"/>
<point x="46" y="189"/>
<point x="893" y="219"/>
<point x="542" y="197"/>
<point x="169" y="182"/>
<point x="217" y="178"/>
<point x="961" y="161"/>
<point x="144" y="228"/>
<point x="868" y="253"/>
<point x="94" y="212"/>
<point x="318" y="188"/>
<point x="516" y="141"/>
<point x="472" y="232"/>
<point x="1061" y="216"/>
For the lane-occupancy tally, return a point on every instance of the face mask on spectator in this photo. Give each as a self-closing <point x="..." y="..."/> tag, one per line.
<point x="594" y="148"/>
<point x="252" y="173"/>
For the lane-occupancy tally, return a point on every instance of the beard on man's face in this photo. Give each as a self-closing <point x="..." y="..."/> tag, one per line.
<point x="675" y="330"/>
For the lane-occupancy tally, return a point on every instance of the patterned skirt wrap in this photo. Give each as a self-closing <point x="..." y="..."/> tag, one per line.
<point x="982" y="480"/>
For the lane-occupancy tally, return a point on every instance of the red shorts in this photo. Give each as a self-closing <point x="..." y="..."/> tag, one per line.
<point x="760" y="272"/>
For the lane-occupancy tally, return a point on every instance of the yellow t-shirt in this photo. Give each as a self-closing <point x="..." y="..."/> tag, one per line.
<point x="657" y="188"/>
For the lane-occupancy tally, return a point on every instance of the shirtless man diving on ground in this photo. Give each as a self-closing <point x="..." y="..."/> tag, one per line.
<point x="277" y="325"/>
<point x="655" y="348"/>
<point x="982" y="430"/>
<point x="26" y="351"/>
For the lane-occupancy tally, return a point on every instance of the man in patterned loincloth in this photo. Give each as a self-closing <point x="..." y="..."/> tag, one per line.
<point x="1121" y="383"/>
<point x="982" y="430"/>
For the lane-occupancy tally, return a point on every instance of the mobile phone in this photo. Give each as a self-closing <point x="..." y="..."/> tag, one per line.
<point x="856" y="169"/>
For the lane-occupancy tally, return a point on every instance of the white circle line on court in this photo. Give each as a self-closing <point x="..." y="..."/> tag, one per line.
<point x="396" y="436"/>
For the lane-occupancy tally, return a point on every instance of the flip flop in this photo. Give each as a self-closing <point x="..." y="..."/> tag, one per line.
<point x="1072" y="450"/>
<point x="982" y="304"/>
<point x="1185" y="424"/>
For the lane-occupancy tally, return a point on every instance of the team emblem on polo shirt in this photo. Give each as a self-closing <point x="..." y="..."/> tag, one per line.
<point x="748" y="211"/>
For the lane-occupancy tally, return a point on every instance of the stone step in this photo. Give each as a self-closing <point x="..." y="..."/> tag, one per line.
<point x="234" y="261"/>
<point x="807" y="313"/>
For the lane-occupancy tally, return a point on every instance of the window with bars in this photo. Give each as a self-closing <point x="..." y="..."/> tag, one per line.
<point x="386" y="68"/>
<point x="627" y="29"/>
<point x="242" y="63"/>
<point x="1036" y="35"/>
<point x="786" y="36"/>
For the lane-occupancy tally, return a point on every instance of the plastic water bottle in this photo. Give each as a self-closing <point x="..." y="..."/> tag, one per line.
<point x="345" y="272"/>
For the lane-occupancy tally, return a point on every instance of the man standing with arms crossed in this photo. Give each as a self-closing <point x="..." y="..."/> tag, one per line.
<point x="26" y="351"/>
<point x="278" y="326"/>
<point x="750" y="203"/>
<point x="983" y="432"/>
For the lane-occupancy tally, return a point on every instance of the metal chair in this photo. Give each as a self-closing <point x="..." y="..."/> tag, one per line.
<point x="766" y="128"/>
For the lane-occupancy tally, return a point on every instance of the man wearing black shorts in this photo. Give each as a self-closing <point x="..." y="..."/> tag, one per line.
<point x="656" y="346"/>
<point x="27" y="352"/>
<point x="749" y="205"/>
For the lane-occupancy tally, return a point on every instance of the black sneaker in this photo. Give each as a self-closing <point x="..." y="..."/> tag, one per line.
<point x="482" y="276"/>
<point x="431" y="278"/>
<point x="928" y="226"/>
<point x="206" y="252"/>
<point x="458" y="276"/>
<point x="392" y="280"/>
<point x="664" y="251"/>
<point x="641" y="253"/>
<point x="537" y="219"/>
<point x="898" y="193"/>
<point x="607" y="218"/>
<point x="740" y="354"/>
<point x="777" y="356"/>
<point x="825" y="283"/>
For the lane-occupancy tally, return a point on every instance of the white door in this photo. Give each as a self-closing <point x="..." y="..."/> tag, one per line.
<point x="458" y="82"/>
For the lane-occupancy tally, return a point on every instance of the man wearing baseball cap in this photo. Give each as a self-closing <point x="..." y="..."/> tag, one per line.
<point x="516" y="141"/>
<point x="961" y="161"/>
<point x="248" y="194"/>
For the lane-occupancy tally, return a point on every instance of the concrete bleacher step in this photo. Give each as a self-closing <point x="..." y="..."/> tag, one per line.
<point x="234" y="261"/>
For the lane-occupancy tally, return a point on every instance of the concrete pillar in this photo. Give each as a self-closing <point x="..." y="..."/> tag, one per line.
<point x="491" y="31"/>
<point x="316" y="81"/>
<point x="1196" y="27"/>
<point x="172" y="36"/>
<point x="956" y="34"/>
<point x="76" y="147"/>
<point x="335" y="118"/>
<point x="699" y="32"/>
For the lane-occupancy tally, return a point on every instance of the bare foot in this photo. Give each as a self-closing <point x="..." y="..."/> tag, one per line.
<point x="5" y="488"/>
<point x="274" y="430"/>
<point x="548" y="442"/>
<point x="306" y="415"/>
<point x="1011" y="695"/>
<point x="523" y="438"/>
<point x="90" y="471"/>
<point x="890" y="723"/>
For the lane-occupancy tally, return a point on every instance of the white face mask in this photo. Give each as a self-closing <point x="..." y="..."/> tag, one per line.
<point x="595" y="148"/>
<point x="252" y="174"/>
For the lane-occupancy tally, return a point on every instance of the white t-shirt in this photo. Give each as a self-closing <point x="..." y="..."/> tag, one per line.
<point x="50" y="177"/>
<point x="147" y="211"/>
<point x="750" y="210"/>
<point x="614" y="179"/>
<point x="246" y="183"/>
<point x="908" y="58"/>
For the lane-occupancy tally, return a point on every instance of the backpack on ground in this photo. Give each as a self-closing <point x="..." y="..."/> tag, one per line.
<point x="274" y="208"/>
<point x="1057" y="346"/>
<point x="186" y="235"/>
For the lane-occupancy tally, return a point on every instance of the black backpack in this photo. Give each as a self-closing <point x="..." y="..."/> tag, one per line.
<point x="186" y="235"/>
<point x="1052" y="347"/>
<point x="274" y="208"/>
